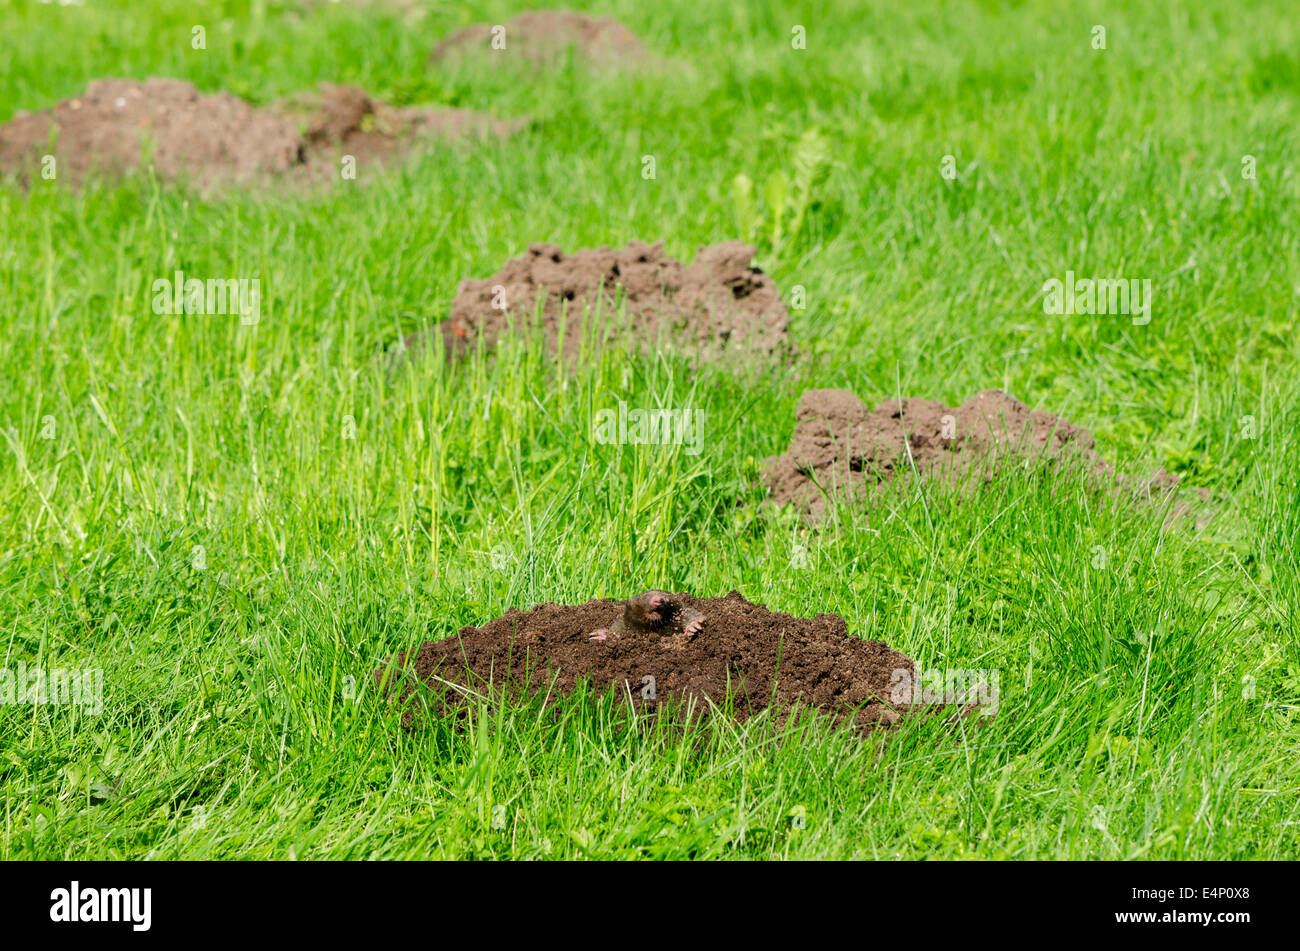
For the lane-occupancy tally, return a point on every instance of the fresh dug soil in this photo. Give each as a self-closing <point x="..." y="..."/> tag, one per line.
<point x="220" y="139"/>
<point x="545" y="37"/>
<point x="842" y="450"/>
<point x="343" y="120"/>
<point x="760" y="656"/>
<point x="717" y="304"/>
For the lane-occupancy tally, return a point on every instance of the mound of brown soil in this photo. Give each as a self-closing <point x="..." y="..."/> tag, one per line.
<point x="716" y="304"/>
<point x="343" y="120"/>
<point x="841" y="450"/>
<point x="758" y="657"/>
<point x="220" y="139"/>
<point x="544" y="36"/>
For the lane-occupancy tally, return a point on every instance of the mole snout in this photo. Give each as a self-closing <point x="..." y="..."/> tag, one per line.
<point x="653" y="612"/>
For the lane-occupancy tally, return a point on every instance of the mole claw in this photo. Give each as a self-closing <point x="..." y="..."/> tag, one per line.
<point x="598" y="636"/>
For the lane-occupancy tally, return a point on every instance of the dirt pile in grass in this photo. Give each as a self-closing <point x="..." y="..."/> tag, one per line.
<point x="842" y="450"/>
<point x="343" y="120"/>
<point x="542" y="37"/>
<point x="716" y="305"/>
<point x="760" y="656"/>
<point x="219" y="139"/>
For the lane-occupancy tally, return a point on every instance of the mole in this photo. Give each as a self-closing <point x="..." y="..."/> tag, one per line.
<point x="653" y="612"/>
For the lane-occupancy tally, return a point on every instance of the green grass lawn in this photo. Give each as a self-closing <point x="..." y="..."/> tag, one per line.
<point x="180" y="508"/>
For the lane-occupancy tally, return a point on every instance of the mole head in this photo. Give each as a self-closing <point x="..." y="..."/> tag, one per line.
<point x="648" y="609"/>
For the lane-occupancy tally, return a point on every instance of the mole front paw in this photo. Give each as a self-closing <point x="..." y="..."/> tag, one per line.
<point x="599" y="635"/>
<point x="695" y="626"/>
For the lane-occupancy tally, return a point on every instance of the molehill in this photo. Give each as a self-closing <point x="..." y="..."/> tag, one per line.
<point x="717" y="305"/>
<point x="840" y="450"/>
<point x="219" y="139"/>
<point x="538" y="37"/>
<point x="761" y="657"/>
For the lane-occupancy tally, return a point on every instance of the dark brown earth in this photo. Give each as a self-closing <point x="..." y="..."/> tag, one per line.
<point x="760" y="656"/>
<point x="219" y="139"/>
<point x="546" y="36"/>
<point x="717" y="304"/>
<point x="842" y="450"/>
